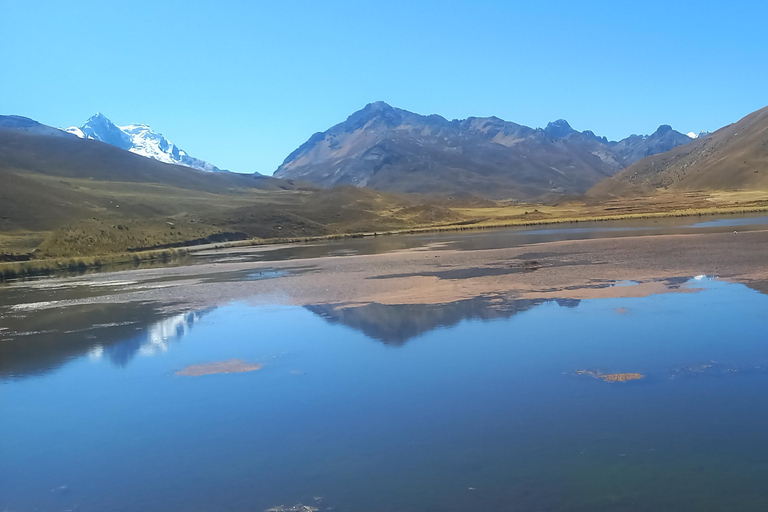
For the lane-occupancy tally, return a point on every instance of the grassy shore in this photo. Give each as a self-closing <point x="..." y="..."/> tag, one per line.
<point x="21" y="269"/>
<point x="461" y="218"/>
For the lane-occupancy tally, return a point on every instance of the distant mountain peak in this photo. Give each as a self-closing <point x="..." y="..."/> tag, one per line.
<point x="377" y="110"/>
<point x="139" y="139"/>
<point x="559" y="129"/>
<point x="661" y="130"/>
<point x="99" y="119"/>
<point x="379" y="105"/>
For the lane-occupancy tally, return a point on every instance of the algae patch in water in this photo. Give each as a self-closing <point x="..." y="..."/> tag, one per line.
<point x="230" y="366"/>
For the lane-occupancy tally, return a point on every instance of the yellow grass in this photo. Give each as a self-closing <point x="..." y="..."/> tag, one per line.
<point x="666" y="204"/>
<point x="51" y="265"/>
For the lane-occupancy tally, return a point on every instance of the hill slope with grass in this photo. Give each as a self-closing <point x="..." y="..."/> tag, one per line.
<point x="63" y="196"/>
<point x="732" y="158"/>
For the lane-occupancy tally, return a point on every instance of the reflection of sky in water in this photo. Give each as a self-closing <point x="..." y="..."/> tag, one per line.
<point x="743" y="221"/>
<point x="485" y="397"/>
<point x="506" y="237"/>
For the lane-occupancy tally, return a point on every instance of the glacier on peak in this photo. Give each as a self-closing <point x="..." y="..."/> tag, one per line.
<point x="139" y="139"/>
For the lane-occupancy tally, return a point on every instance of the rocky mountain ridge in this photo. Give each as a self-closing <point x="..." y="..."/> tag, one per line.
<point x="388" y="148"/>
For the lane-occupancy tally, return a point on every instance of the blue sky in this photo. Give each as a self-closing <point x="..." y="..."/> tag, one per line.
<point x="243" y="83"/>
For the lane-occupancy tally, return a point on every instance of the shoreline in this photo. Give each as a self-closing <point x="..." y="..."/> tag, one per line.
<point x="429" y="275"/>
<point x="53" y="266"/>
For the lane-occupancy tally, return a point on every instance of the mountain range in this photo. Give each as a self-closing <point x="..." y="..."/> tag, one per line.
<point x="391" y="149"/>
<point x="139" y="139"/>
<point x="63" y="195"/>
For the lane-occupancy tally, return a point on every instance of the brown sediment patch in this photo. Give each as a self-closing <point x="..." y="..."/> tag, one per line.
<point x="621" y="377"/>
<point x="230" y="366"/>
<point x="622" y="311"/>
<point x="612" y="377"/>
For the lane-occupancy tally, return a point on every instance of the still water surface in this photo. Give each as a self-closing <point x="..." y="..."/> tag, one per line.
<point x="503" y="238"/>
<point x="475" y="406"/>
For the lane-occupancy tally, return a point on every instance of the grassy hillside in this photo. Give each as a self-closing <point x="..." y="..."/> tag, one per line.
<point x="733" y="158"/>
<point x="70" y="157"/>
<point x="62" y="217"/>
<point x="65" y="197"/>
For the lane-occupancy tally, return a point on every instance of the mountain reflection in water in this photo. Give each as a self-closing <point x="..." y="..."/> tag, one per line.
<point x="504" y="413"/>
<point x="134" y="330"/>
<point x="395" y="324"/>
<point x="114" y="332"/>
<point x="118" y="333"/>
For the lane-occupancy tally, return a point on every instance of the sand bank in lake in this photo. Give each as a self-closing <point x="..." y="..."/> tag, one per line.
<point x="230" y="366"/>
<point x="612" y="377"/>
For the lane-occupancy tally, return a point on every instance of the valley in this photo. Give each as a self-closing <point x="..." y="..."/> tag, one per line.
<point x="383" y="257"/>
<point x="70" y="200"/>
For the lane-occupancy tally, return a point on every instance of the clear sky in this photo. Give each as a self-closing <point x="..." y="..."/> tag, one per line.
<point x="243" y="83"/>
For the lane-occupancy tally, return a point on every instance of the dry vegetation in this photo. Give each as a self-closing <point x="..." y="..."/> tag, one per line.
<point x="261" y="217"/>
<point x="51" y="222"/>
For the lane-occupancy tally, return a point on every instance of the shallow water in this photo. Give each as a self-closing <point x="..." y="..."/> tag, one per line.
<point x="471" y="405"/>
<point x="497" y="238"/>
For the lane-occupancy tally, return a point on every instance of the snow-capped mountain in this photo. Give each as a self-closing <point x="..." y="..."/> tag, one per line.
<point x="139" y="139"/>
<point x="701" y="134"/>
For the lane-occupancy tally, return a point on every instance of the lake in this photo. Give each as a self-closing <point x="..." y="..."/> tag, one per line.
<point x="492" y="401"/>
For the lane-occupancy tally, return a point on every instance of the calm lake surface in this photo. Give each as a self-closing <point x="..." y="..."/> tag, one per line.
<point x="469" y="405"/>
<point x="509" y="237"/>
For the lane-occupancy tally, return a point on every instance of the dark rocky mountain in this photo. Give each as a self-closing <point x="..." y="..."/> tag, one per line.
<point x="391" y="149"/>
<point x="732" y="158"/>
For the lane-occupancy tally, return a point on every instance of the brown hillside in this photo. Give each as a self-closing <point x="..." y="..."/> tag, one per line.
<point x="733" y="158"/>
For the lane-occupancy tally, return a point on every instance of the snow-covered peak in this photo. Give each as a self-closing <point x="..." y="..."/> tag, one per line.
<point x="74" y="130"/>
<point x="692" y="135"/>
<point x="139" y="139"/>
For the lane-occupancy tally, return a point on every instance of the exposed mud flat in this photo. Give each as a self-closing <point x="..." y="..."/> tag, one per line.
<point x="625" y="267"/>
